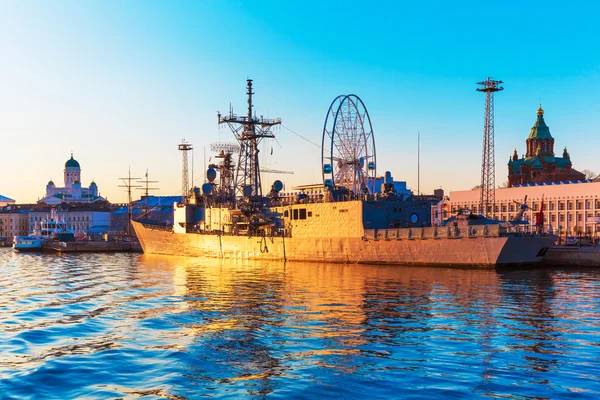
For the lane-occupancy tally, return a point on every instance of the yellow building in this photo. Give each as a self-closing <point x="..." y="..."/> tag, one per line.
<point x="13" y="223"/>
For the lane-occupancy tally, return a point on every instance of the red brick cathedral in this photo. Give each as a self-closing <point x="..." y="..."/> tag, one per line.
<point x="540" y="164"/>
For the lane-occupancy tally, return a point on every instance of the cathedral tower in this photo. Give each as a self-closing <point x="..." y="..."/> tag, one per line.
<point x="72" y="172"/>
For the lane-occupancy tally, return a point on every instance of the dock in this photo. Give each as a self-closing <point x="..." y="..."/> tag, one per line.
<point x="573" y="256"/>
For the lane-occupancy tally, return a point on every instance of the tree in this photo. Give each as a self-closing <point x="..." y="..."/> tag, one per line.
<point x="589" y="174"/>
<point x="478" y="187"/>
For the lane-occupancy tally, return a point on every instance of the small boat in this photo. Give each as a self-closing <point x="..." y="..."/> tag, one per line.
<point x="48" y="230"/>
<point x="29" y="243"/>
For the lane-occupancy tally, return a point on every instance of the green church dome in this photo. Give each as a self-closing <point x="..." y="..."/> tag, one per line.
<point x="72" y="163"/>
<point x="50" y="183"/>
<point x="93" y="184"/>
<point x="540" y="130"/>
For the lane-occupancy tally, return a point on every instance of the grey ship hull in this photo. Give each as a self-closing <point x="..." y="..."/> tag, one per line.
<point x="487" y="252"/>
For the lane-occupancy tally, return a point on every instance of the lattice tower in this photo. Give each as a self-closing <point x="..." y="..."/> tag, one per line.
<point x="488" y="164"/>
<point x="184" y="147"/>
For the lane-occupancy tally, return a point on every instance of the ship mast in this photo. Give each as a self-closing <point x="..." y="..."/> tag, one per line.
<point x="249" y="131"/>
<point x="147" y="190"/>
<point x="127" y="184"/>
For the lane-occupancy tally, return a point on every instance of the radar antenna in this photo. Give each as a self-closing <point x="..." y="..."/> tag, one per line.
<point x="226" y="168"/>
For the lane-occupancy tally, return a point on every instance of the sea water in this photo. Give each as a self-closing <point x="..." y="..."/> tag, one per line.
<point x="139" y="326"/>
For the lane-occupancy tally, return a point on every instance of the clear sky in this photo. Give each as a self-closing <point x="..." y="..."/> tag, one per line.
<point x="120" y="83"/>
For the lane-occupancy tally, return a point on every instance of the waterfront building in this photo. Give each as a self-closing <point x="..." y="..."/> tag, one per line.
<point x="12" y="223"/>
<point x="92" y="219"/>
<point x="5" y="201"/>
<point x="72" y="192"/>
<point x="569" y="207"/>
<point x="540" y="164"/>
<point x="440" y="210"/>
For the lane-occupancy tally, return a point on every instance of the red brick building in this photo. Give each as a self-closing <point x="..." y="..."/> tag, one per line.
<point x="539" y="163"/>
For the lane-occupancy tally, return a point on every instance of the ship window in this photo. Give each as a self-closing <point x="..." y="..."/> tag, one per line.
<point x="303" y="213"/>
<point x="286" y="214"/>
<point x="310" y="213"/>
<point x="296" y="214"/>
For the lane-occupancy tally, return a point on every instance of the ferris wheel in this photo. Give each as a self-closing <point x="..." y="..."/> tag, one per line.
<point x="348" y="148"/>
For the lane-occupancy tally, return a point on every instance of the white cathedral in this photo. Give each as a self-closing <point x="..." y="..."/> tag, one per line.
<point x="72" y="192"/>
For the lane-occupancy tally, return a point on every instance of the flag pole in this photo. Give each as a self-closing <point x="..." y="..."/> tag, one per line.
<point x="419" y="163"/>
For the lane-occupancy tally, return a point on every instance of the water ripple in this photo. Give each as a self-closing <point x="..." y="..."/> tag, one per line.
<point x="130" y="326"/>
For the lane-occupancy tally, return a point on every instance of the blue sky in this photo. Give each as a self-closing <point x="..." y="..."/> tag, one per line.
<point x="121" y="83"/>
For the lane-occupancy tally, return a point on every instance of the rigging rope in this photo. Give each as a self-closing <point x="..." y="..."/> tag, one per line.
<point x="302" y="137"/>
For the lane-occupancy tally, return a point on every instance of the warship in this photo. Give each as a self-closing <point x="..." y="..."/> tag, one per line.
<point x="354" y="216"/>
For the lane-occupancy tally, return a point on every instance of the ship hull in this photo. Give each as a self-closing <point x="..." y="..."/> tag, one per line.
<point x="487" y="252"/>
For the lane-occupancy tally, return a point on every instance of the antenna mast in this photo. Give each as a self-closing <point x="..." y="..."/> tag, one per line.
<point x="184" y="147"/>
<point x="488" y="163"/>
<point x="127" y="184"/>
<point x="249" y="131"/>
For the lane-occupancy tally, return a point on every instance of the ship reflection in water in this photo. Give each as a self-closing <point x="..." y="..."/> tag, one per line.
<point x="106" y="326"/>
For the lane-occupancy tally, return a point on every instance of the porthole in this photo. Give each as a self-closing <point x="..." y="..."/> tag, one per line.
<point x="414" y="218"/>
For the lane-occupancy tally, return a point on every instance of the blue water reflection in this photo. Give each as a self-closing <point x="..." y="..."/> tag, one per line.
<point x="131" y="326"/>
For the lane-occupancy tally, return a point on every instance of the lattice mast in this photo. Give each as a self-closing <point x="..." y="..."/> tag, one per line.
<point x="249" y="131"/>
<point x="184" y="147"/>
<point x="488" y="163"/>
<point x="226" y="168"/>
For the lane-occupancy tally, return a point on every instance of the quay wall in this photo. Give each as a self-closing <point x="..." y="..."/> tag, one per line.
<point x="573" y="257"/>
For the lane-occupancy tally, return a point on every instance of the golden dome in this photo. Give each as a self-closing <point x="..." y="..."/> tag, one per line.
<point x="540" y="111"/>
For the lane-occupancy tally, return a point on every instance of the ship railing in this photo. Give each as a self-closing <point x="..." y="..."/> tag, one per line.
<point x="157" y="227"/>
<point x="239" y="232"/>
<point x="434" y="232"/>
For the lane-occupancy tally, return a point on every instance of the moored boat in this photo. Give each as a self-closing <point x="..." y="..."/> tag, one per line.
<point x="29" y="243"/>
<point x="48" y="230"/>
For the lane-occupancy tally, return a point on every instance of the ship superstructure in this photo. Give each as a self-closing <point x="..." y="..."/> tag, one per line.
<point x="346" y="219"/>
